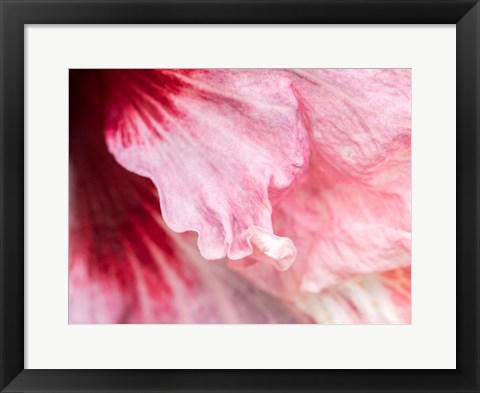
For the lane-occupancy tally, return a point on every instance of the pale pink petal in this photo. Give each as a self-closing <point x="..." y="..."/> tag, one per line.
<point x="343" y="227"/>
<point x="359" y="187"/>
<point x="350" y="214"/>
<point x="355" y="115"/>
<point x="219" y="146"/>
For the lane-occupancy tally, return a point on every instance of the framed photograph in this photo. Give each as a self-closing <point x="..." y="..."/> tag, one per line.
<point x="239" y="196"/>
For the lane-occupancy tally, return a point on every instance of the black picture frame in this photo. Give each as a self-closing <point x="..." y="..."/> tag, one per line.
<point x="15" y="14"/>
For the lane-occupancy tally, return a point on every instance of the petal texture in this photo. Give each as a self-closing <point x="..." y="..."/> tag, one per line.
<point x="350" y="214"/>
<point x="125" y="265"/>
<point x="354" y="116"/>
<point x="372" y="299"/>
<point x="355" y="205"/>
<point x="253" y="162"/>
<point x="219" y="145"/>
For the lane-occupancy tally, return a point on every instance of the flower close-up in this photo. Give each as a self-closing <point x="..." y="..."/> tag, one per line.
<point x="240" y="196"/>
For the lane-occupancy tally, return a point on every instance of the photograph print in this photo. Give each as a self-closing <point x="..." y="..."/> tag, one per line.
<point x="239" y="196"/>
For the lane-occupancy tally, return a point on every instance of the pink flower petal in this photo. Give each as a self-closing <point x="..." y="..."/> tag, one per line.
<point x="343" y="227"/>
<point x="350" y="214"/>
<point x="217" y="144"/>
<point x="125" y="265"/>
<point x="354" y="116"/>
<point x="228" y="152"/>
<point x="372" y="299"/>
<point x="359" y="187"/>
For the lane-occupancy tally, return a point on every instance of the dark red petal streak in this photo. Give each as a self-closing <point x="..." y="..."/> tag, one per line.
<point x="218" y="145"/>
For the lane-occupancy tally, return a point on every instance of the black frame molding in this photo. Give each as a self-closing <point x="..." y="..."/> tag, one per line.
<point x="15" y="14"/>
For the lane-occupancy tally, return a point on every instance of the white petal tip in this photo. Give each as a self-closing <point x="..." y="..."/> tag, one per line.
<point x="278" y="251"/>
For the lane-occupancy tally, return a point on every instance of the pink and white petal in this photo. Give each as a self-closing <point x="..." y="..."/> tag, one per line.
<point x="355" y="115"/>
<point x="341" y="229"/>
<point x="125" y="266"/>
<point x="347" y="216"/>
<point x="398" y="283"/>
<point x="219" y="145"/>
<point x="360" y="222"/>
<point x="372" y="299"/>
<point x="344" y="228"/>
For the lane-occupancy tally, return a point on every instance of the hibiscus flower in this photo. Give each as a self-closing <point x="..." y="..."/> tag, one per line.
<point x="240" y="196"/>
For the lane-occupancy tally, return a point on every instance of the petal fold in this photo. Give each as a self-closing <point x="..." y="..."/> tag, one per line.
<point x="350" y="214"/>
<point x="219" y="145"/>
<point x="354" y="115"/>
<point x="125" y="265"/>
